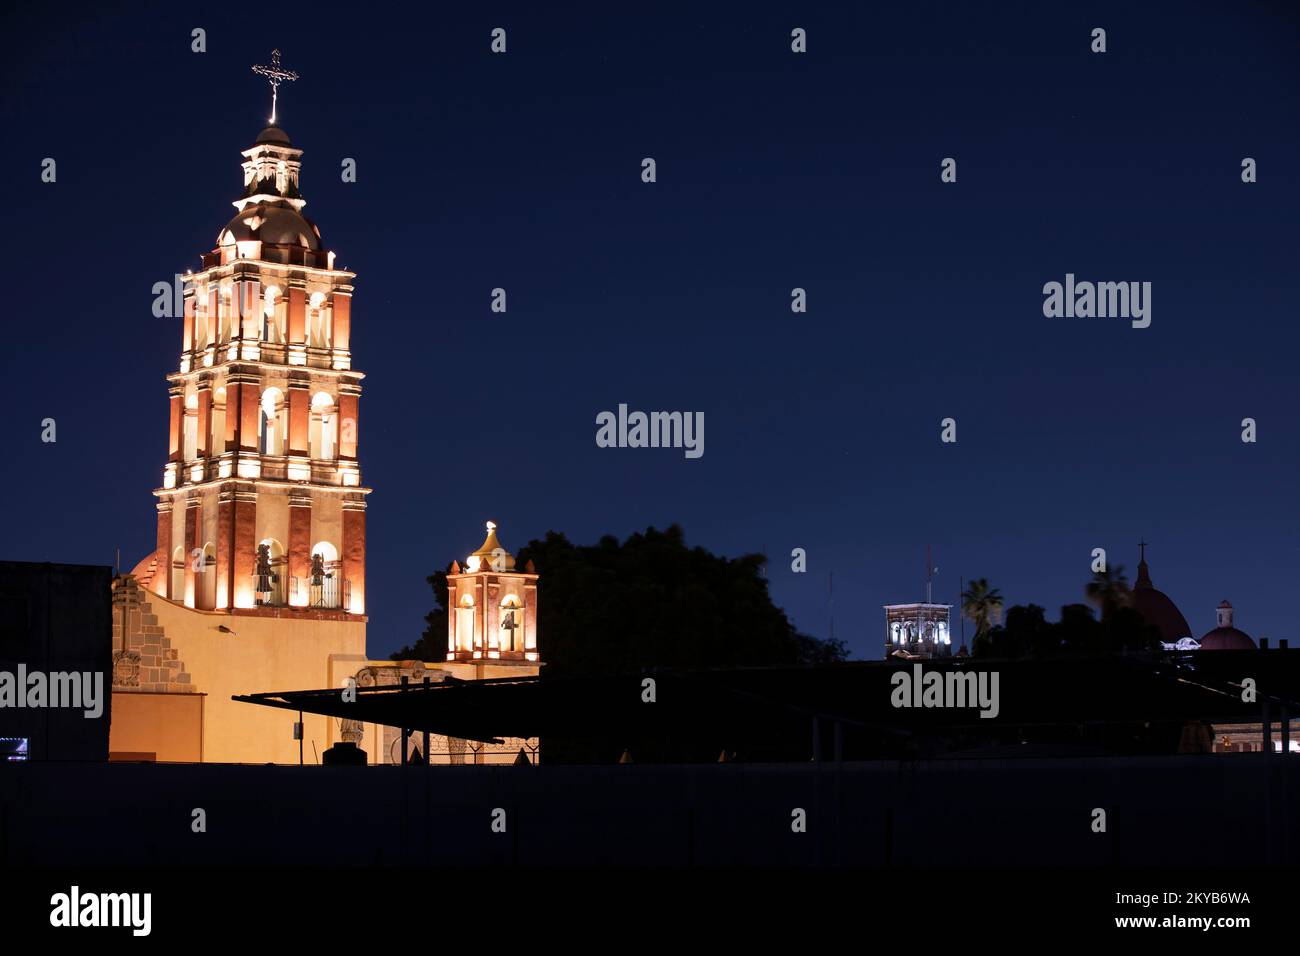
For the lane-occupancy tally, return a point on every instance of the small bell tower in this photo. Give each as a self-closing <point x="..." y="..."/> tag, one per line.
<point x="492" y="607"/>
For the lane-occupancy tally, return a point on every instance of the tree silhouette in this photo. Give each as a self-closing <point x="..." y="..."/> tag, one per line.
<point x="1077" y="634"/>
<point x="982" y="605"/>
<point x="613" y="608"/>
<point x="1109" y="590"/>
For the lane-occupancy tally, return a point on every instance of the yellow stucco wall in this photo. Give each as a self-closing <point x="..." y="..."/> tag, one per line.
<point x="169" y="726"/>
<point x="263" y="654"/>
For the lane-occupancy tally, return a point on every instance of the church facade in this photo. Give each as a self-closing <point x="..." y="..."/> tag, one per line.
<point x="258" y="580"/>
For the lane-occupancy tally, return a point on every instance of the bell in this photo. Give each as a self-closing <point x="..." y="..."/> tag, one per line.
<point x="318" y="573"/>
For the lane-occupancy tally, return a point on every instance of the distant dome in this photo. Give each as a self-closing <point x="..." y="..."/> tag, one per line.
<point x="274" y="225"/>
<point x="1156" y="608"/>
<point x="1225" y="637"/>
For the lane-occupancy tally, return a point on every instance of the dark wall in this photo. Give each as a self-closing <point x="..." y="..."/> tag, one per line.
<point x="57" y="618"/>
<point x="1201" y="810"/>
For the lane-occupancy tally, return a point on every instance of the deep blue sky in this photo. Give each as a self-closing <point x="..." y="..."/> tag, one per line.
<point x="775" y="171"/>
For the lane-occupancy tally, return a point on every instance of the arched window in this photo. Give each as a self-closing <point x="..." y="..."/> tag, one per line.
<point x="205" y="588"/>
<point x="323" y="431"/>
<point x="225" y="298"/>
<point x="177" y="589"/>
<point x="281" y="178"/>
<point x="325" y="577"/>
<point x="318" y="321"/>
<point x="270" y="583"/>
<point x="465" y="624"/>
<point x="274" y="423"/>
<point x="272" y="322"/>
<point x="510" y="630"/>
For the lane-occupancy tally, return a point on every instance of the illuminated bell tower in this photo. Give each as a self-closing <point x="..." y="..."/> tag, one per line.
<point x="262" y="510"/>
<point x="492" y="608"/>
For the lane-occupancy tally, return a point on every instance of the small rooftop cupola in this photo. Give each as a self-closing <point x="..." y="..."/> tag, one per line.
<point x="1224" y="614"/>
<point x="1226" y="636"/>
<point x="271" y="168"/>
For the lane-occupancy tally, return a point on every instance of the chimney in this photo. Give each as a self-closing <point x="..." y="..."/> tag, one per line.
<point x="1263" y="643"/>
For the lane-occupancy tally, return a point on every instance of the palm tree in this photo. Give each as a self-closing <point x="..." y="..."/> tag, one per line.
<point x="1108" y="590"/>
<point x="982" y="605"/>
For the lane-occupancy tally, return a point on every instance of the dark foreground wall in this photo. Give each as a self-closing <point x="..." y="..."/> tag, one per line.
<point x="57" y="618"/>
<point x="1239" y="810"/>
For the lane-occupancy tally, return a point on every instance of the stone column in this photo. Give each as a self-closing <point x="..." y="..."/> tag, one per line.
<point x="187" y="334"/>
<point x="342" y="320"/>
<point x="354" y="554"/>
<point x="244" y="543"/>
<point x="205" y="420"/>
<point x="249" y="409"/>
<point x="225" y="541"/>
<point x="297" y="315"/>
<point x="162" y="582"/>
<point x="348" y="410"/>
<point x="299" y="552"/>
<point x="299" y="417"/>
<point x="193" y="528"/>
<point x="176" y="426"/>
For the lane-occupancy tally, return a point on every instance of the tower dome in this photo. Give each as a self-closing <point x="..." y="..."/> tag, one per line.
<point x="1225" y="637"/>
<point x="273" y="225"/>
<point x="273" y="134"/>
<point x="1156" y="608"/>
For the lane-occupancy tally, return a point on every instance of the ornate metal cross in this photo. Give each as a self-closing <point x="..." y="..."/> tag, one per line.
<point x="276" y="75"/>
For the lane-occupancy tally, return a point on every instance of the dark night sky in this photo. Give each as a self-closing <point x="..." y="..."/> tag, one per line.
<point x="775" y="171"/>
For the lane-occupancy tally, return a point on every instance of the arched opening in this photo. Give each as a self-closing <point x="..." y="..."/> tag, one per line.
<point x="205" y="589"/>
<point x="176" y="586"/>
<point x="270" y="574"/>
<point x="325" y="585"/>
<point x="322" y="432"/>
<point x="318" y="321"/>
<point x="510" y="631"/>
<point x="273" y="423"/>
<point x="465" y="624"/>
<point x="272" y="316"/>
<point x="225" y="298"/>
